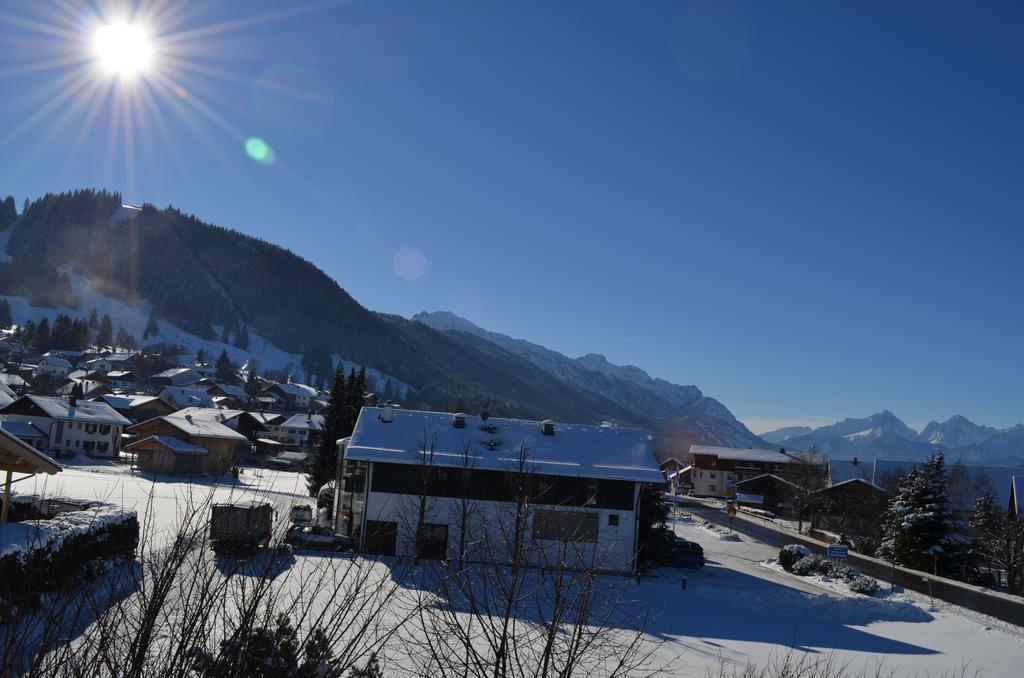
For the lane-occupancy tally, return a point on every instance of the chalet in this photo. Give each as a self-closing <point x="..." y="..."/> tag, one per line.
<point x="181" y="397"/>
<point x="53" y="367"/>
<point x="71" y="425"/>
<point x="301" y="429"/>
<point x="579" y="487"/>
<point x="250" y="425"/>
<point x="112" y="362"/>
<point x="716" y="470"/>
<point x="138" y="408"/>
<point x="123" y="379"/>
<point x="86" y="388"/>
<point x="767" y="492"/>
<point x="293" y="396"/>
<point x="176" y="376"/>
<point x="184" y="445"/>
<point x="853" y="507"/>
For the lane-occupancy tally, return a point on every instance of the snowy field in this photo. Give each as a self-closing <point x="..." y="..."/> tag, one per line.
<point x="741" y="607"/>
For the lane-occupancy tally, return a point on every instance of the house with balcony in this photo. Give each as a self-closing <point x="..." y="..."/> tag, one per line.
<point x="437" y="485"/>
<point x="71" y="425"/>
<point x="716" y="470"/>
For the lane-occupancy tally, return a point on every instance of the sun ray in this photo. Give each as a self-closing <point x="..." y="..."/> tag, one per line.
<point x="72" y="59"/>
<point x="72" y="89"/>
<point x="85" y="129"/>
<point x="40" y="27"/>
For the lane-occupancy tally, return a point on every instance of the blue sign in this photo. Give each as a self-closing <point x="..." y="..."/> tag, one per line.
<point x="838" y="552"/>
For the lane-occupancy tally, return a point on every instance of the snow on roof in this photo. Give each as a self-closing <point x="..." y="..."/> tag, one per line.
<point x="297" y="457"/>
<point x="232" y="390"/>
<point x="268" y="417"/>
<point x="201" y="428"/>
<point x="304" y="421"/>
<point x="574" y="450"/>
<point x="297" y="389"/>
<point x="12" y="379"/>
<point x="55" y="360"/>
<point x="120" y="374"/>
<point x="743" y="454"/>
<point x="208" y="413"/>
<point x="5" y="398"/>
<point x="183" y="396"/>
<point x="176" y="445"/>
<point x="26" y="454"/>
<point x="22" y="429"/>
<point x="127" y="402"/>
<point x="92" y="411"/>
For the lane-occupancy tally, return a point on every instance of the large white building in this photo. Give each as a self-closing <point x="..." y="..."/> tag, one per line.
<point x="577" y="488"/>
<point x="69" y="425"/>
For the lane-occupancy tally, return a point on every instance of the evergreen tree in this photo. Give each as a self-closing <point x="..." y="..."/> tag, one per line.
<point x="201" y="357"/>
<point x="8" y="212"/>
<point x="6" y="319"/>
<point x="252" y="382"/>
<point x="24" y="206"/>
<point x="28" y="332"/>
<point x="918" y="528"/>
<point x="242" y="338"/>
<point x="225" y="372"/>
<point x="94" y="321"/>
<point x="105" y="336"/>
<point x="41" y="339"/>
<point x="997" y="542"/>
<point x="322" y="461"/>
<point x="225" y="335"/>
<point x="371" y="670"/>
<point x="151" y="327"/>
<point x="76" y="391"/>
<point x="122" y="338"/>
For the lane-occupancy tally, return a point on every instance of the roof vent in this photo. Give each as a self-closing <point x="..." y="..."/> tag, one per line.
<point x="388" y="414"/>
<point x="547" y="427"/>
<point x="459" y="420"/>
<point x="188" y="418"/>
<point x="782" y="450"/>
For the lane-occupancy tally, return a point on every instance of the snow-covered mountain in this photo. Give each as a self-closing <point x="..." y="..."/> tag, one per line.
<point x="957" y="431"/>
<point x="687" y="414"/>
<point x="885" y="436"/>
<point x="781" y="435"/>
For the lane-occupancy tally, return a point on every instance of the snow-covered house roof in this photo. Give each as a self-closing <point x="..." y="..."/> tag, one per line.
<point x="232" y="390"/>
<point x="294" y="389"/>
<point x="22" y="429"/>
<point x="306" y="422"/>
<point x="269" y="418"/>
<point x="90" y="387"/>
<point x="61" y="409"/>
<point x="183" y="396"/>
<point x="199" y="428"/>
<point x="744" y="454"/>
<point x="179" y="375"/>
<point x="24" y="457"/>
<point x="127" y="402"/>
<point x="176" y="445"/>
<point x="55" y="360"/>
<point x="208" y="413"/>
<point x="12" y="380"/>
<point x="121" y="374"/>
<point x="574" y="449"/>
<point x="5" y="398"/>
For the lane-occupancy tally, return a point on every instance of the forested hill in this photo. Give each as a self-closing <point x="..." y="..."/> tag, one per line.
<point x="207" y="279"/>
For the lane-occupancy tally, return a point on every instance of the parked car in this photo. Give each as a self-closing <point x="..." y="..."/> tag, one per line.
<point x="687" y="554"/>
<point x="302" y="514"/>
<point x="313" y="537"/>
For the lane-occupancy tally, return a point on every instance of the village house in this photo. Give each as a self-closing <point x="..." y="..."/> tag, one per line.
<point x="176" y="376"/>
<point x="181" y="397"/>
<point x="53" y="367"/>
<point x="138" y="408"/>
<point x="293" y="397"/>
<point x="302" y="430"/>
<point x="716" y="470"/>
<point x="249" y="424"/>
<point x="124" y="380"/>
<point x="84" y="388"/>
<point x="579" y="485"/>
<point x="71" y="425"/>
<point x="184" y="445"/>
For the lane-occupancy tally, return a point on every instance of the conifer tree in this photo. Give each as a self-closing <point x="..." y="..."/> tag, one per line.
<point x="6" y="319"/>
<point x="94" y="320"/>
<point x="997" y="541"/>
<point x="41" y="338"/>
<point x="321" y="462"/>
<point x="252" y="382"/>
<point x="225" y="372"/>
<point x="122" y="338"/>
<point x="151" y="327"/>
<point x="225" y="335"/>
<point x="105" y="336"/>
<point x="242" y="338"/>
<point x="8" y="212"/>
<point x="918" y="528"/>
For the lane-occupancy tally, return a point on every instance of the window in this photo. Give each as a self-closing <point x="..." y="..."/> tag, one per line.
<point x="76" y="443"/>
<point x="104" y="428"/>
<point x="89" y="445"/>
<point x="79" y="426"/>
<point x="613" y="520"/>
<point x="564" y="525"/>
<point x="712" y="475"/>
<point x="712" y="488"/>
<point x="90" y="428"/>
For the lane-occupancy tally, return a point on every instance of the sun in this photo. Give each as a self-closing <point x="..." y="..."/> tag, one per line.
<point x="123" y="49"/>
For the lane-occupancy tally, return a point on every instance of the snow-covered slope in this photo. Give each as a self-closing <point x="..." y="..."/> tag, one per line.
<point x="689" y="415"/>
<point x="783" y="434"/>
<point x="880" y="435"/>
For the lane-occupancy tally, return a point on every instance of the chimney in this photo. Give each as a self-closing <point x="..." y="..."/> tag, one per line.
<point x="459" y="420"/>
<point x="782" y="450"/>
<point x="72" y="401"/>
<point x="388" y="415"/>
<point x="855" y="461"/>
<point x="547" y="427"/>
<point x="188" y="418"/>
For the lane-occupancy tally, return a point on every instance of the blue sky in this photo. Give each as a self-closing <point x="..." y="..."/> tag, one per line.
<point x="810" y="210"/>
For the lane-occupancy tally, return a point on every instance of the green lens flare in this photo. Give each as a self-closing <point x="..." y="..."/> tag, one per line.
<point x="259" y="150"/>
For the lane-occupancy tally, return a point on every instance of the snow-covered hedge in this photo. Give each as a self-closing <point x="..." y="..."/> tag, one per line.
<point x="862" y="584"/>
<point x="790" y="554"/>
<point x="37" y="556"/>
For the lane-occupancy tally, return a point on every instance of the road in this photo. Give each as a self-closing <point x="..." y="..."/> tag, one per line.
<point x="1000" y="606"/>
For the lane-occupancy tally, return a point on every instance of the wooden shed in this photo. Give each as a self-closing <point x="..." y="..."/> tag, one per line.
<point x="168" y="445"/>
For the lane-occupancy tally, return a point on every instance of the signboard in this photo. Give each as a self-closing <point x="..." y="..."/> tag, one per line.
<point x="731" y="510"/>
<point x="838" y="552"/>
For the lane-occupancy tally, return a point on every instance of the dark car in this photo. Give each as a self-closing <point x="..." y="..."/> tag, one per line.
<point x="313" y="537"/>
<point x="687" y="554"/>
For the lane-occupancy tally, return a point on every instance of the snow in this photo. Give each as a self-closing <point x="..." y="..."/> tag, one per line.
<point x="84" y="410"/>
<point x="32" y="535"/>
<point x="574" y="449"/>
<point x="744" y="454"/>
